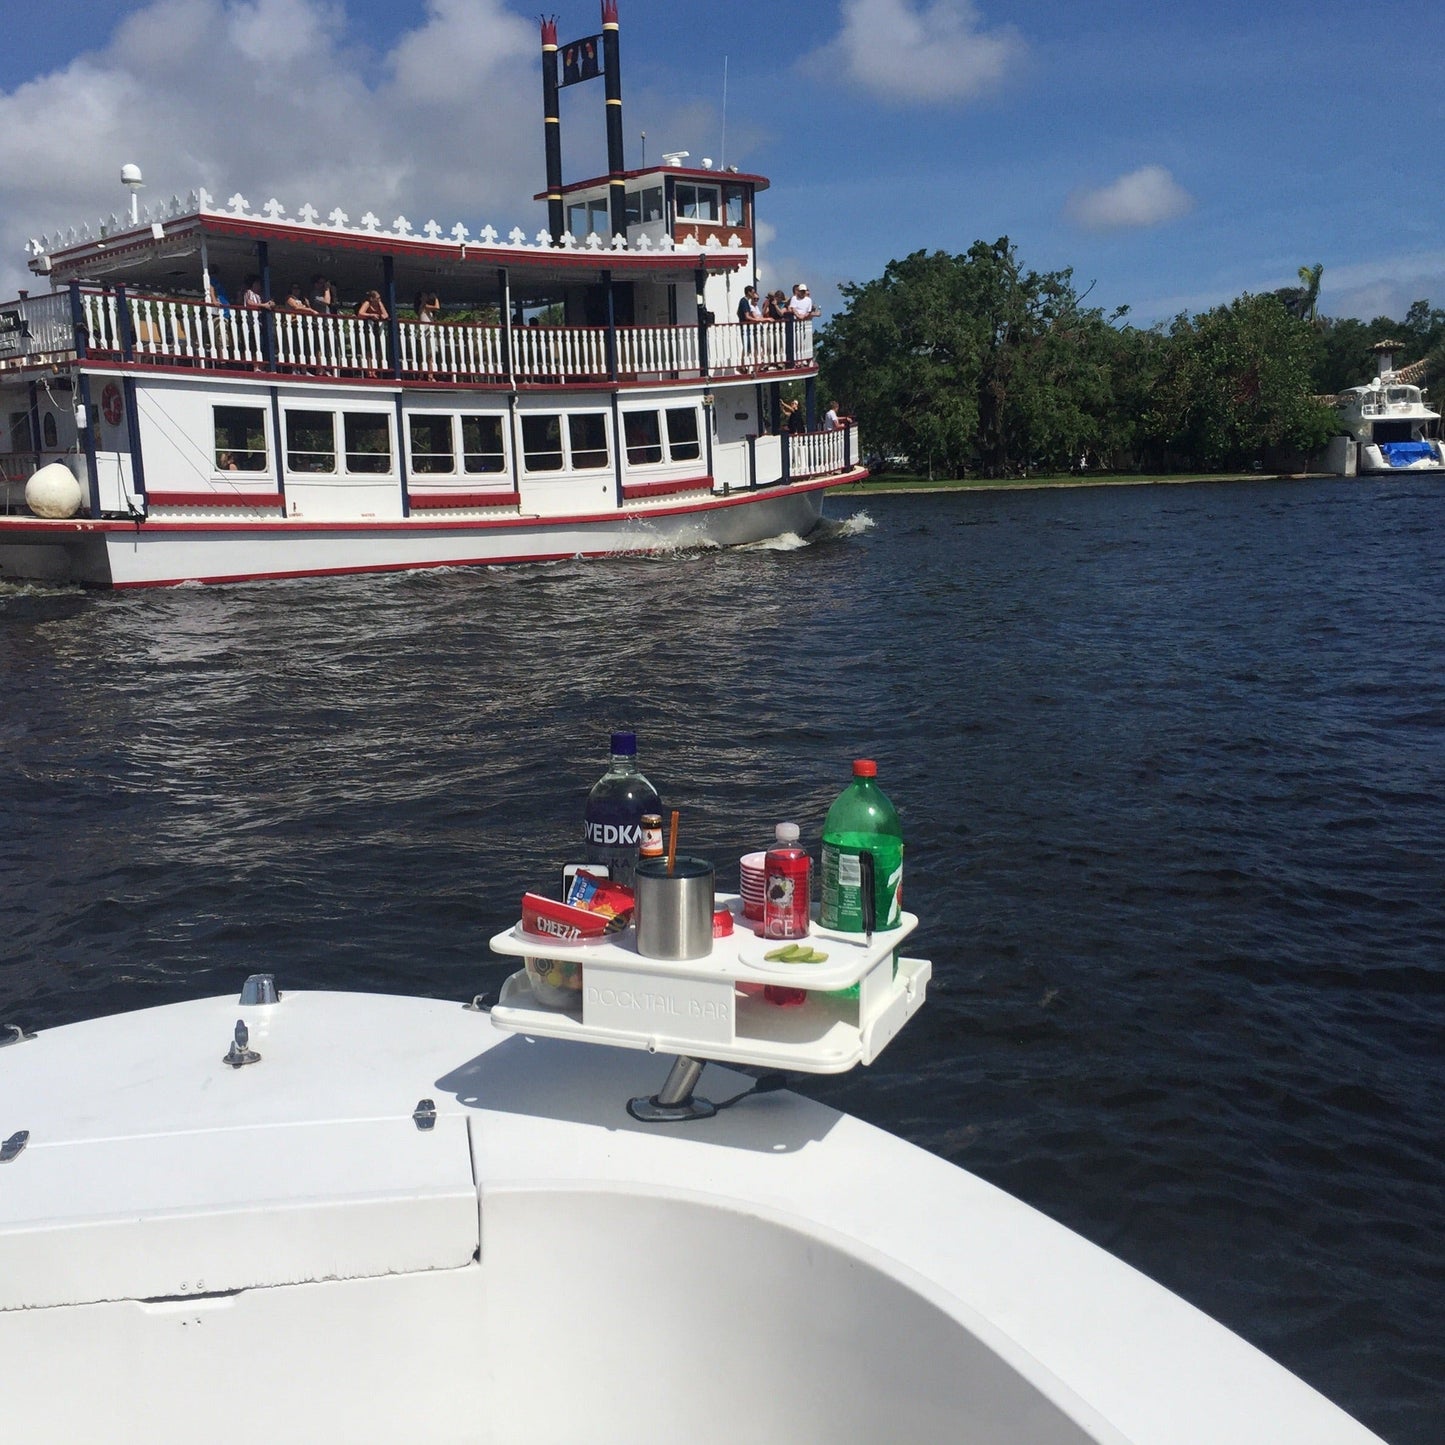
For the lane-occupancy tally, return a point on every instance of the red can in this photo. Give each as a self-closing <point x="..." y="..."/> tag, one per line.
<point x="787" y="893"/>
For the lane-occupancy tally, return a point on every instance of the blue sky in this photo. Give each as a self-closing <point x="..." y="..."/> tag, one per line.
<point x="1174" y="156"/>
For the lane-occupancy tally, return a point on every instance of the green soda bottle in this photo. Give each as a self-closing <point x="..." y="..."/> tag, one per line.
<point x="862" y="844"/>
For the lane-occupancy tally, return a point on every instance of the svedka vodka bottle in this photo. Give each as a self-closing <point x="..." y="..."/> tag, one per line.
<point x="612" y="822"/>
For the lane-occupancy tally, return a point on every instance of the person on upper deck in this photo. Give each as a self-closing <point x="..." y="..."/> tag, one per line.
<point x="251" y="295"/>
<point x="749" y="315"/>
<point x="297" y="303"/>
<point x="775" y="307"/>
<point x="322" y="296"/>
<point x="372" y="307"/>
<point x="428" y="307"/>
<point x="831" y="420"/>
<point x="801" y="304"/>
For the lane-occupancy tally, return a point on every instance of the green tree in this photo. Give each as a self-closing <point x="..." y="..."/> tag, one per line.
<point x="972" y="361"/>
<point x="1234" y="387"/>
<point x="903" y="356"/>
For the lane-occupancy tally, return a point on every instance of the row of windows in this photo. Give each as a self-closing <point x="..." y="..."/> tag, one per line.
<point x="693" y="202"/>
<point x="547" y="444"/>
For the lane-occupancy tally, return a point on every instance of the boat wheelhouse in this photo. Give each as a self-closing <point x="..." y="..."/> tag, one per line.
<point x="510" y="398"/>
<point x="1388" y="425"/>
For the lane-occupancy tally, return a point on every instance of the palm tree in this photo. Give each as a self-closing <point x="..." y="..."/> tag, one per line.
<point x="1310" y="283"/>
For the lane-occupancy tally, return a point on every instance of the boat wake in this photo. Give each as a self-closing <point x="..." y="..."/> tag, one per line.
<point x="827" y="530"/>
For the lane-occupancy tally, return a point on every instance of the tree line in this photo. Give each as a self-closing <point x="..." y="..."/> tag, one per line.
<point x="974" y="364"/>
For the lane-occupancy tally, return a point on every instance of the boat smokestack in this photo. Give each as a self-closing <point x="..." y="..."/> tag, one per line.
<point x="552" y="120"/>
<point x="612" y="71"/>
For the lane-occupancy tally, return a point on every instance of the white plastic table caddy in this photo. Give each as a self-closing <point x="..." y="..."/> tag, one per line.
<point x="714" y="1008"/>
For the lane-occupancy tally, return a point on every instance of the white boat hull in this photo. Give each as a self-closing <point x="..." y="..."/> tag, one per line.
<point x="1373" y="461"/>
<point x="280" y="1249"/>
<point x="167" y="552"/>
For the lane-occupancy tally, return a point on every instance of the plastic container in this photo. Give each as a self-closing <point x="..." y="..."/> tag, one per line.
<point x="555" y="982"/>
<point x="752" y="884"/>
<point x="788" y="886"/>
<point x="862" y="858"/>
<point x="612" y="820"/>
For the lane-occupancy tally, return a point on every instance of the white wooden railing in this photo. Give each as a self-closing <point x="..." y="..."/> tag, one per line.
<point x="441" y="351"/>
<point x="739" y="347"/>
<point x="817" y="453"/>
<point x="164" y="329"/>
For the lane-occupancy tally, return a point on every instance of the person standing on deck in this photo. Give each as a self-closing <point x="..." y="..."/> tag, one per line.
<point x="750" y="315"/>
<point x="801" y="304"/>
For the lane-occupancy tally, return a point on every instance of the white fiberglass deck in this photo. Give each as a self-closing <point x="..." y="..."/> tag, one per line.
<point x="279" y="1249"/>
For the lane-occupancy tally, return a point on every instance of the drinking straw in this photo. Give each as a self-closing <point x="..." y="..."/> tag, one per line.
<point x="672" y="844"/>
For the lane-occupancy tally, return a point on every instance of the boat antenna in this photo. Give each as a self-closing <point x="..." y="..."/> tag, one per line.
<point x="643" y="165"/>
<point x="722" y="150"/>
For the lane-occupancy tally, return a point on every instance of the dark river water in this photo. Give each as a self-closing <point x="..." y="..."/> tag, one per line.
<point x="1171" y="767"/>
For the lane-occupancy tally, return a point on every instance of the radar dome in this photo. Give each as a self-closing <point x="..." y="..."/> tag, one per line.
<point x="53" y="492"/>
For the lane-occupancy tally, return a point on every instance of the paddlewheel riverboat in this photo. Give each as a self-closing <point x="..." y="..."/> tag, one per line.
<point x="582" y="391"/>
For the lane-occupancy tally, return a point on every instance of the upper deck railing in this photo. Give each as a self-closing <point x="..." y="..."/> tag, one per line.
<point x="169" y="331"/>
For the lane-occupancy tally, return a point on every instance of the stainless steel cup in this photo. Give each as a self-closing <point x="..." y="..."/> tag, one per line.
<point x="673" y="913"/>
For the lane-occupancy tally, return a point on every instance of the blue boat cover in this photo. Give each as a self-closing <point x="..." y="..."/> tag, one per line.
<point x="1404" y="454"/>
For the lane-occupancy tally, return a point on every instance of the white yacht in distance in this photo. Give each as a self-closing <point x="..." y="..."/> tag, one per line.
<point x="1388" y="426"/>
<point x="192" y="401"/>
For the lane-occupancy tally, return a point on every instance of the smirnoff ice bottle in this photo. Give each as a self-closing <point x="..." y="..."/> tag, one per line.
<point x="612" y="827"/>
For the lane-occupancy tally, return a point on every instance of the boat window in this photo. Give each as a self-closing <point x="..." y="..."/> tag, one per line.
<point x="586" y="216"/>
<point x="240" y="438"/>
<point x="542" y="443"/>
<point x="588" y="434"/>
<point x="682" y="442"/>
<point x="20" y="438"/>
<point x="368" y="442"/>
<point x="644" y="205"/>
<point x="644" y="437"/>
<point x="696" y="203"/>
<point x="48" y="430"/>
<point x="432" y="449"/>
<point x="482" y="446"/>
<point x="310" y="441"/>
<point x="735" y="205"/>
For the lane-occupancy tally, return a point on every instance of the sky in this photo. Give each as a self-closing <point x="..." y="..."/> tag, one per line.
<point x="1173" y="155"/>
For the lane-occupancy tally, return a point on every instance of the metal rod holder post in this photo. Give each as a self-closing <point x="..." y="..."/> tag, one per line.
<point x="674" y="1103"/>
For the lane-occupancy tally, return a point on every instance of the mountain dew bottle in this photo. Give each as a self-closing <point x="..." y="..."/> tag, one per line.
<point x="862" y="858"/>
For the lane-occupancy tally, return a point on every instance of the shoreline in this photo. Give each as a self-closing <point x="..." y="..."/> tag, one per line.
<point x="914" y="486"/>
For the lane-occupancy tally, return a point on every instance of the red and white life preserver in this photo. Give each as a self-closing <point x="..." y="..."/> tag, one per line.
<point x="111" y="406"/>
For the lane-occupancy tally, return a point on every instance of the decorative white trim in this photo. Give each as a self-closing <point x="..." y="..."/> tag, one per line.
<point x="201" y="201"/>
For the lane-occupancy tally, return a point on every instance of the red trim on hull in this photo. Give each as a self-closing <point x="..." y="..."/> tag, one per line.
<point x="634" y="490"/>
<point x="214" y="499"/>
<point x="434" y="501"/>
<point x="34" y="528"/>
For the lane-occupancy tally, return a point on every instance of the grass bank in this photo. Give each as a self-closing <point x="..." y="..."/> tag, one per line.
<point x="902" y="482"/>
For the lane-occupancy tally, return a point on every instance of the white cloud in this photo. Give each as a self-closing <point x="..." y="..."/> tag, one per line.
<point x="1145" y="197"/>
<point x="919" y="50"/>
<point x="271" y="98"/>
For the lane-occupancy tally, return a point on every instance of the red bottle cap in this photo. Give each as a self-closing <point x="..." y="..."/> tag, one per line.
<point x="865" y="768"/>
<point x="722" y="923"/>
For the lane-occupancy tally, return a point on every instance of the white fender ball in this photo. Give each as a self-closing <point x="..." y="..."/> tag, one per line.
<point x="53" y="492"/>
